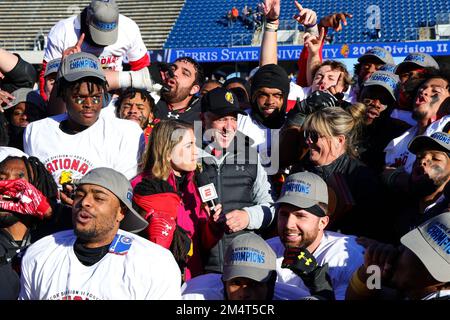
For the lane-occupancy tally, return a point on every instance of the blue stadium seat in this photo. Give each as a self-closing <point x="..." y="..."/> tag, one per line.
<point x="201" y="22"/>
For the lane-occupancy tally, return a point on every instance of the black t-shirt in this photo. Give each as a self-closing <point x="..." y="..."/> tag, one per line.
<point x="188" y="114"/>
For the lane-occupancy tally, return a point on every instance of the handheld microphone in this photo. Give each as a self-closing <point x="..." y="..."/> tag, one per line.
<point x="207" y="191"/>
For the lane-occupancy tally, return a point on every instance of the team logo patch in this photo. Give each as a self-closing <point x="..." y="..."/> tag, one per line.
<point x="105" y="26"/>
<point x="120" y="245"/>
<point x="297" y="186"/>
<point x="229" y="97"/>
<point x="83" y="63"/>
<point x="248" y="255"/>
<point x="345" y="50"/>
<point x="377" y="52"/>
<point x="391" y="82"/>
<point x="441" y="137"/>
<point x="129" y="195"/>
<point x="415" y="58"/>
<point x="54" y="65"/>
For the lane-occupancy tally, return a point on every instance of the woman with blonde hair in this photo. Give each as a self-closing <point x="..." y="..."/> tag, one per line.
<point x="167" y="196"/>
<point x="331" y="134"/>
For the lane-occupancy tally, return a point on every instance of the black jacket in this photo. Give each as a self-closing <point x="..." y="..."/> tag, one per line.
<point x="375" y="137"/>
<point x="234" y="176"/>
<point x="189" y="114"/>
<point x="367" y="215"/>
<point x="10" y="255"/>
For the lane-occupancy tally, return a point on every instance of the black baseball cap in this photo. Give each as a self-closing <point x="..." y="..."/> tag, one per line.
<point x="221" y="102"/>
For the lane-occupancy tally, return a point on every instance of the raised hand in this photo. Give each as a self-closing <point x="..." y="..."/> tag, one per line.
<point x="271" y="9"/>
<point x="5" y="99"/>
<point x="336" y="89"/>
<point x="305" y="16"/>
<point x="334" y="20"/>
<point x="312" y="42"/>
<point x="76" y="48"/>
<point x="380" y="254"/>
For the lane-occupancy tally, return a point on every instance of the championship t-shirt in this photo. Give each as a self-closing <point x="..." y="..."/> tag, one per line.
<point x="109" y="142"/>
<point x="133" y="269"/>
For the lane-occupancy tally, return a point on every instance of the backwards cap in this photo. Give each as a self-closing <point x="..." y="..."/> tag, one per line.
<point x="119" y="185"/>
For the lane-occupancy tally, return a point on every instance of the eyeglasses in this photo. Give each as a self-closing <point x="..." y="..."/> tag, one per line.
<point x="376" y="102"/>
<point x="312" y="135"/>
<point x="82" y="100"/>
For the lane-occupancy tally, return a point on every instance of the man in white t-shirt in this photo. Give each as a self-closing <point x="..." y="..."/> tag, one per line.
<point x="302" y="218"/>
<point x="110" y="36"/>
<point x="249" y="273"/>
<point x="73" y="143"/>
<point x="430" y="104"/>
<point x="97" y="260"/>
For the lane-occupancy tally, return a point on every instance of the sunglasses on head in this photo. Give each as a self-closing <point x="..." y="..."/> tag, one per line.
<point x="312" y="135"/>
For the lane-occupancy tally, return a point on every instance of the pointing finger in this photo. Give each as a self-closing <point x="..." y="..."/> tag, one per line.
<point x="321" y="34"/>
<point x="298" y="5"/>
<point x="342" y="18"/>
<point x="80" y="41"/>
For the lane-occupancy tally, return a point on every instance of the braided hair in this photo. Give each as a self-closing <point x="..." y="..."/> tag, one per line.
<point x="4" y="135"/>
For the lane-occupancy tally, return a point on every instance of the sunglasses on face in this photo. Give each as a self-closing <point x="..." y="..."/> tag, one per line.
<point x="82" y="100"/>
<point x="369" y="102"/>
<point x="312" y="135"/>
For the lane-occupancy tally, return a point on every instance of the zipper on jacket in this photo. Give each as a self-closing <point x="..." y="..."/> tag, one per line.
<point x="219" y="192"/>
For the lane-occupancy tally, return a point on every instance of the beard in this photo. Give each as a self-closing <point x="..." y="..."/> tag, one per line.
<point x="85" y="235"/>
<point x="307" y="238"/>
<point x="176" y="94"/>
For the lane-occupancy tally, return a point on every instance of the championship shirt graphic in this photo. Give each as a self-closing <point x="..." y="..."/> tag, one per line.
<point x="74" y="295"/>
<point x="110" y="62"/>
<point x="65" y="168"/>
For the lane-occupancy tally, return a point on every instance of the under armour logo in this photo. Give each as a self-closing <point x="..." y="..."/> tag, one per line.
<point x="241" y="168"/>
<point x="174" y="116"/>
<point x="302" y="256"/>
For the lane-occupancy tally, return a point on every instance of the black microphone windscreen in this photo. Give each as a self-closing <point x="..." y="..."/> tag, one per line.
<point x="202" y="179"/>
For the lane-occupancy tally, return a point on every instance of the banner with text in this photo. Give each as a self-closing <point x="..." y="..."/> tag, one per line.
<point x="336" y="51"/>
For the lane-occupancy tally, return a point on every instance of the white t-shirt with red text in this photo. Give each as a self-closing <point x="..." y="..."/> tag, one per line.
<point x="133" y="269"/>
<point x="129" y="45"/>
<point x="109" y="142"/>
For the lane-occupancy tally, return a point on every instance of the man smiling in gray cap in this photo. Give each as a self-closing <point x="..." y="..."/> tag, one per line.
<point x="302" y="218"/>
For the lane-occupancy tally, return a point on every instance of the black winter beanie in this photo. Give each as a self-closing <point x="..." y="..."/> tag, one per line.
<point x="270" y="76"/>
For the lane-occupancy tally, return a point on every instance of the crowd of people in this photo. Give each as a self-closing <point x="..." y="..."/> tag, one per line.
<point x="156" y="183"/>
<point x="249" y="17"/>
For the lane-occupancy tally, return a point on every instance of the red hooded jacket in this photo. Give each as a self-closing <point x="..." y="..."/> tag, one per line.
<point x="194" y="219"/>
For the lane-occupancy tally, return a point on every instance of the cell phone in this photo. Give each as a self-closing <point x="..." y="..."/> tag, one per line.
<point x="69" y="193"/>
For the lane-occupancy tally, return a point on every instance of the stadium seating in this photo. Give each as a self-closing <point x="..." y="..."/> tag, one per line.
<point x="23" y="20"/>
<point x="202" y="23"/>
